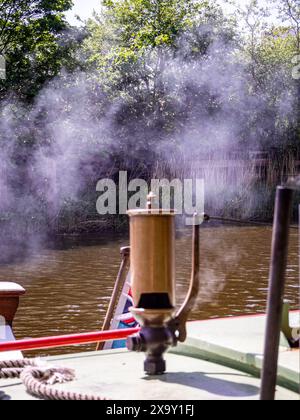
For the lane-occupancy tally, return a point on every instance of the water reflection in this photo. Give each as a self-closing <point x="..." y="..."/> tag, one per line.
<point x="69" y="285"/>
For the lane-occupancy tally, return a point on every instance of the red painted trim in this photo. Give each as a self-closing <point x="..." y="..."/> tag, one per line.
<point x="88" y="338"/>
<point x="67" y="340"/>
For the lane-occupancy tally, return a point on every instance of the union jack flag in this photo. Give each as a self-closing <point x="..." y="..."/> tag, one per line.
<point x="122" y="317"/>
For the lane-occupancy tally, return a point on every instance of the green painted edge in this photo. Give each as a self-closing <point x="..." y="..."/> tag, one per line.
<point x="244" y="362"/>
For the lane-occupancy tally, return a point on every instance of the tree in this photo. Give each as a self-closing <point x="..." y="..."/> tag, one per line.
<point x="35" y="40"/>
<point x="130" y="46"/>
<point x="267" y="51"/>
<point x="17" y="15"/>
<point x="130" y="31"/>
<point x="289" y="12"/>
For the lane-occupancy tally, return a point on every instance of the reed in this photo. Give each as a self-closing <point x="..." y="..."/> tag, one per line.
<point x="235" y="187"/>
<point x="238" y="187"/>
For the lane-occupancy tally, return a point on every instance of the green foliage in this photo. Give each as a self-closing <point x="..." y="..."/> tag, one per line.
<point x="130" y="45"/>
<point x="277" y="47"/>
<point x="145" y="23"/>
<point x="289" y="12"/>
<point x="130" y="31"/>
<point x="157" y="72"/>
<point x="34" y="41"/>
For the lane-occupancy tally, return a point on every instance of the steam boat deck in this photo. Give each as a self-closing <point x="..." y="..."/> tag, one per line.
<point x="220" y="360"/>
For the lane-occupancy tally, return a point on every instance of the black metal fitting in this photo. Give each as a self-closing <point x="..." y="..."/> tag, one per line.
<point x="154" y="342"/>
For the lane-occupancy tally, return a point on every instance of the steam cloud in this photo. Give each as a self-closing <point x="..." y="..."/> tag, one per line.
<point x="70" y="137"/>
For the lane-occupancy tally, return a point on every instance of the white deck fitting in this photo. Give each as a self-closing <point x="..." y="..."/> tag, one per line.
<point x="11" y="288"/>
<point x="6" y="334"/>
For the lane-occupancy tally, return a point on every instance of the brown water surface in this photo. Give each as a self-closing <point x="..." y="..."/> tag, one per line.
<point x="69" y="286"/>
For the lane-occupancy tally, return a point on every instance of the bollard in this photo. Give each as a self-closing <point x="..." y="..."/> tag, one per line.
<point x="280" y="243"/>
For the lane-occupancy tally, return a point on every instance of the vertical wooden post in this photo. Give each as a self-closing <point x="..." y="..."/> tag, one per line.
<point x="280" y="242"/>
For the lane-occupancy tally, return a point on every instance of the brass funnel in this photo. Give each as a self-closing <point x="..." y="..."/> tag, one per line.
<point x="152" y="261"/>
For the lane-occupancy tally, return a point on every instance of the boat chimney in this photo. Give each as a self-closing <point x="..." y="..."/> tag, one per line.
<point x="152" y="261"/>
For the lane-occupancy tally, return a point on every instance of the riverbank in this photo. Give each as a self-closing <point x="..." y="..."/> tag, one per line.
<point x="239" y="203"/>
<point x="17" y="245"/>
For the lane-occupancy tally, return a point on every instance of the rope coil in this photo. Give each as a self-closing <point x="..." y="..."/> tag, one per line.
<point x="38" y="379"/>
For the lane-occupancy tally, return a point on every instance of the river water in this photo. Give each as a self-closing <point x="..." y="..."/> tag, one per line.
<point x="69" y="286"/>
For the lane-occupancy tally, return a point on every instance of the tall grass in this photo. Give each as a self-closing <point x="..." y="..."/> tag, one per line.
<point x="240" y="188"/>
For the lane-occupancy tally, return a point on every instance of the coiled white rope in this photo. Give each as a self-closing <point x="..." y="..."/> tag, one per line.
<point x="39" y="379"/>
